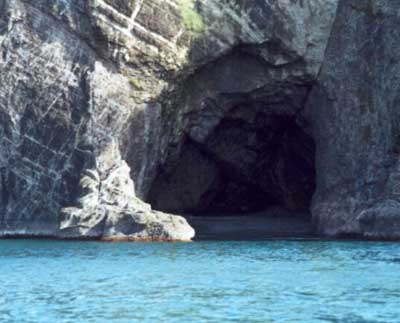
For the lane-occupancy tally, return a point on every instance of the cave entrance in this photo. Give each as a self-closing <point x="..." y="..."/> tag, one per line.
<point x="252" y="162"/>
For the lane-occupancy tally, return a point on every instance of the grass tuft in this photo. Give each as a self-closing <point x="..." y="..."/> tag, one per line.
<point x="191" y="19"/>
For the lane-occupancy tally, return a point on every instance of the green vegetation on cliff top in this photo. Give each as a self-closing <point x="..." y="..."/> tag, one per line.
<point x="191" y="18"/>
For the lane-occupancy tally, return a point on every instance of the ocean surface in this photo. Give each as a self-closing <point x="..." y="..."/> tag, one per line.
<point x="269" y="281"/>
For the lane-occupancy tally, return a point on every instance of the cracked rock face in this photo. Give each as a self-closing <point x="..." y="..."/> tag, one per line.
<point x="70" y="98"/>
<point x="106" y="103"/>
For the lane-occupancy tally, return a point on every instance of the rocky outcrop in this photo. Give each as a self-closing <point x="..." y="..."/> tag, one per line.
<point x="73" y="86"/>
<point x="108" y="209"/>
<point x="197" y="106"/>
<point x="355" y="113"/>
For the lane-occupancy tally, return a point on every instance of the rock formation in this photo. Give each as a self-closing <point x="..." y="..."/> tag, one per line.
<point x="355" y="113"/>
<point x="74" y="95"/>
<point x="197" y="106"/>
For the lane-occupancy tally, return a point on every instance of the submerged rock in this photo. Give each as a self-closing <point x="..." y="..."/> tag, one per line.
<point x="197" y="106"/>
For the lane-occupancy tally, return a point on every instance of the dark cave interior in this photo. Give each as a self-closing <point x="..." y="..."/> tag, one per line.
<point x="249" y="163"/>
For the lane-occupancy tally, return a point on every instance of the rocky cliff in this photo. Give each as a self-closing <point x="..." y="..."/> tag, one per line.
<point x="197" y="106"/>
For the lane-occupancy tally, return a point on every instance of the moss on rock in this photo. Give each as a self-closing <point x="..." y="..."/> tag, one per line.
<point x="191" y="18"/>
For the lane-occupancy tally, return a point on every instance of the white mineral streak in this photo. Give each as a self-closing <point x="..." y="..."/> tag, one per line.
<point x="85" y="120"/>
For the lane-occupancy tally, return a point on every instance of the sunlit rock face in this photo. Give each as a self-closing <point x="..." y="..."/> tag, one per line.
<point x="196" y="106"/>
<point x="79" y="80"/>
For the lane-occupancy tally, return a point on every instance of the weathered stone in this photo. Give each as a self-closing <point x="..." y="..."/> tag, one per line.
<point x="197" y="105"/>
<point x="67" y="104"/>
<point x="356" y="122"/>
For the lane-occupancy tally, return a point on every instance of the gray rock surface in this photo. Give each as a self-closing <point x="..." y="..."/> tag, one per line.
<point x="355" y="114"/>
<point x="71" y="97"/>
<point x="236" y="126"/>
<point x="197" y="105"/>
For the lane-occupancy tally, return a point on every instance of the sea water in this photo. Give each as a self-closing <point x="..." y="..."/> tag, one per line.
<point x="269" y="281"/>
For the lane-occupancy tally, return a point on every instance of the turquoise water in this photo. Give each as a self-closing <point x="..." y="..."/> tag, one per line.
<point x="271" y="281"/>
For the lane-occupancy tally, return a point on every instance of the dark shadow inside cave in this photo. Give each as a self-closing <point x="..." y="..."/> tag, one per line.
<point x="253" y="161"/>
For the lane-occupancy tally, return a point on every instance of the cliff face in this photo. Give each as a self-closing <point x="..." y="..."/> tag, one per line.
<point x="355" y="113"/>
<point x="197" y="106"/>
<point x="78" y="79"/>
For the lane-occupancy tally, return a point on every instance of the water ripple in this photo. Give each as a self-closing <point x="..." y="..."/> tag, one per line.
<point x="269" y="281"/>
